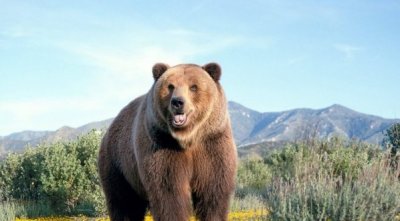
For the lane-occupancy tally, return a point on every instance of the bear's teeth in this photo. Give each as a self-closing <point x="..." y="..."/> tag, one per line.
<point x="179" y="119"/>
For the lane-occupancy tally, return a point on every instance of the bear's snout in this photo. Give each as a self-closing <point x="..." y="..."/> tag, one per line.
<point x="178" y="104"/>
<point x="179" y="115"/>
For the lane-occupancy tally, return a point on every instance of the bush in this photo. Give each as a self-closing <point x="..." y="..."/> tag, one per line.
<point x="283" y="162"/>
<point x="392" y="141"/>
<point x="8" y="171"/>
<point x="62" y="177"/>
<point x="252" y="177"/>
<point x="344" y="156"/>
<point x="322" y="197"/>
<point x="333" y="180"/>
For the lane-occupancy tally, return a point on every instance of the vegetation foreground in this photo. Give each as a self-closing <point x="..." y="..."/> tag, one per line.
<point x="243" y="215"/>
<point x="316" y="180"/>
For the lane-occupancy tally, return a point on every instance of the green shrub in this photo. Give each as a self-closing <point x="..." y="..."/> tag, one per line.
<point x="62" y="178"/>
<point x="252" y="177"/>
<point x="392" y="142"/>
<point x="334" y="180"/>
<point x="344" y="157"/>
<point x="323" y="197"/>
<point x="282" y="162"/>
<point x="8" y="171"/>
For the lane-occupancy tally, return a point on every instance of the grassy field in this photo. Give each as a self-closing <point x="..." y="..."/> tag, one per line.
<point x="332" y="180"/>
<point x="242" y="215"/>
<point x="248" y="208"/>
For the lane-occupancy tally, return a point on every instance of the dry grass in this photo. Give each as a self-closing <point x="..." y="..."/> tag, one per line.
<point x="239" y="215"/>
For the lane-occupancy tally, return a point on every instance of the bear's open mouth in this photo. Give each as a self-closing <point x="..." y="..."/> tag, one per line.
<point x="179" y="120"/>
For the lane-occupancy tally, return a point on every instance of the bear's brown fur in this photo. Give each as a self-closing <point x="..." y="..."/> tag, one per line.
<point x="171" y="148"/>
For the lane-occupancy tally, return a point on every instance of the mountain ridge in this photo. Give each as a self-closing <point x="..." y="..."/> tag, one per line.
<point x="295" y="124"/>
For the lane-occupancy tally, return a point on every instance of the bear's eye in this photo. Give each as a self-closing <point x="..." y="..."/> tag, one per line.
<point x="193" y="87"/>
<point x="171" y="87"/>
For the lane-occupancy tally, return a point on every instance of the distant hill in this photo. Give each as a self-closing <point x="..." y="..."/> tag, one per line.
<point x="16" y="142"/>
<point x="249" y="127"/>
<point x="254" y="127"/>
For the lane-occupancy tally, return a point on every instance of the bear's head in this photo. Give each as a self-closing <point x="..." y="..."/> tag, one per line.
<point x="186" y="96"/>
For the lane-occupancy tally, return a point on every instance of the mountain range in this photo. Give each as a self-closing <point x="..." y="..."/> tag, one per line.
<point x="249" y="127"/>
<point x="298" y="124"/>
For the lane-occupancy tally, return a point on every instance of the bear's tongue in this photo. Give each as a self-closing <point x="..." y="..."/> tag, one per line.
<point x="179" y="119"/>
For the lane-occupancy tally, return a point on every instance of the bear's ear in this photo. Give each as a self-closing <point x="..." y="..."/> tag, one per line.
<point x="214" y="70"/>
<point x="159" y="69"/>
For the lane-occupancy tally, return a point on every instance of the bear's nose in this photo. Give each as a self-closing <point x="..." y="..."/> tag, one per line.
<point x="177" y="103"/>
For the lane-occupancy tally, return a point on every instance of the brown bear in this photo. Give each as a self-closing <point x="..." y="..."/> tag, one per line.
<point x="171" y="150"/>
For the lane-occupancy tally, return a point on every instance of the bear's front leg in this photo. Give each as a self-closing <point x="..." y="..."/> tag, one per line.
<point x="167" y="175"/>
<point x="212" y="204"/>
<point x="213" y="182"/>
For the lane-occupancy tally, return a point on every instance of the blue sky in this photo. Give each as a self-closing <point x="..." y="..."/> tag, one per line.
<point x="74" y="62"/>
